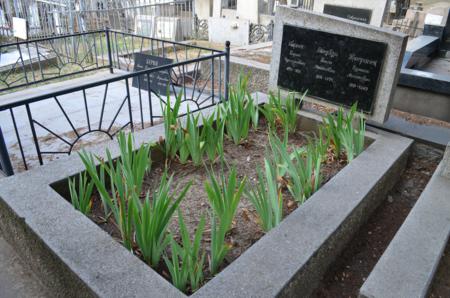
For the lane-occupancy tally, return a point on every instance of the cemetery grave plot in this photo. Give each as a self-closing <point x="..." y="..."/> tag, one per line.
<point x="253" y="163"/>
<point x="314" y="156"/>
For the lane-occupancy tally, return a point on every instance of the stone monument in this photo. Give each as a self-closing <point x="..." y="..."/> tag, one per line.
<point x="338" y="62"/>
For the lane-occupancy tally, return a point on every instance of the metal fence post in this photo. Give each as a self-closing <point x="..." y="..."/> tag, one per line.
<point x="227" y="68"/>
<point x="108" y="45"/>
<point x="5" y="162"/>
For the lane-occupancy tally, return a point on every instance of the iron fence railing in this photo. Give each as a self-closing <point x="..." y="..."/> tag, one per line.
<point x="30" y="62"/>
<point x="409" y="27"/>
<point x="155" y="18"/>
<point x="261" y="33"/>
<point x="200" y="28"/>
<point x="42" y="127"/>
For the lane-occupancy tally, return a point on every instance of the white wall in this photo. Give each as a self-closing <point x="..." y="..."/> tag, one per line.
<point x="378" y="7"/>
<point x="203" y="8"/>
<point x="249" y="10"/>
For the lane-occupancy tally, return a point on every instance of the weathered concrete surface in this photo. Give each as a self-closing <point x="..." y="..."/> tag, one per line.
<point x="396" y="45"/>
<point x="407" y="267"/>
<point x="15" y="280"/>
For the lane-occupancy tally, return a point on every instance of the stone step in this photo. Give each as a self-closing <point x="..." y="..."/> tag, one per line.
<point x="15" y="280"/>
<point x="408" y="266"/>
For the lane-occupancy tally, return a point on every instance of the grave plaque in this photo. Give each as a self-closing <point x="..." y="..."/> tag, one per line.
<point x="350" y="13"/>
<point x="335" y="68"/>
<point x="158" y="80"/>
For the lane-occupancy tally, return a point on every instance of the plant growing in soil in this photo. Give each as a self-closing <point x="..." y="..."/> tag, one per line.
<point x="151" y="220"/>
<point x="238" y="111"/>
<point x="224" y="197"/>
<point x="126" y="177"/>
<point x="282" y="112"/>
<point x="219" y="248"/>
<point x="81" y="196"/>
<point x="188" y="255"/>
<point x="171" y="143"/>
<point x="212" y="134"/>
<point x="266" y="196"/>
<point x="353" y="139"/>
<point x="193" y="139"/>
<point x="302" y="167"/>
<point x="342" y="134"/>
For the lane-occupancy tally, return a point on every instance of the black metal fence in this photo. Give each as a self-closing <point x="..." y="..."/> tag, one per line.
<point x="42" y="127"/>
<point x="30" y="62"/>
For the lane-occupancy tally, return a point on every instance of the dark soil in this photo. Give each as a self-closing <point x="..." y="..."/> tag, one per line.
<point x="440" y="287"/>
<point x="245" y="158"/>
<point x="346" y="276"/>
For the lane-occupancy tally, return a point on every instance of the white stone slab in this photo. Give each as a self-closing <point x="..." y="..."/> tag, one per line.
<point x="237" y="31"/>
<point x="396" y="45"/>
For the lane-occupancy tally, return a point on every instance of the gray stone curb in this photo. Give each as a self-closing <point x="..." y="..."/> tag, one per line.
<point x="407" y="267"/>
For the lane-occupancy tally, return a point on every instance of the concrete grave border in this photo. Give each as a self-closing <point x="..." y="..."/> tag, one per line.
<point x="396" y="45"/>
<point x="408" y="266"/>
<point x="75" y="257"/>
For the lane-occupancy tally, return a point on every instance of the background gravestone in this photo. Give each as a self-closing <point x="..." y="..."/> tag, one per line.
<point x="355" y="14"/>
<point x="339" y="62"/>
<point x="378" y="8"/>
<point x="158" y="80"/>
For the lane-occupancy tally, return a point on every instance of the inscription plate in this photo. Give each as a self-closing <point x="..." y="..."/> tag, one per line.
<point x="336" y="68"/>
<point x="158" y="80"/>
<point x="350" y="13"/>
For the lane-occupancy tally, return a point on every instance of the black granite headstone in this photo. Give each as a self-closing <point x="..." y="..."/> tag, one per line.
<point x="158" y="80"/>
<point x="350" y="13"/>
<point x="332" y="67"/>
